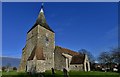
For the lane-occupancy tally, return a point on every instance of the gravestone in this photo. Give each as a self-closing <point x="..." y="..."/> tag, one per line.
<point x="65" y="72"/>
<point x="53" y="72"/>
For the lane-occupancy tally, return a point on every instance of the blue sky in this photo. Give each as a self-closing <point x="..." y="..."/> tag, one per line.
<point x="90" y="26"/>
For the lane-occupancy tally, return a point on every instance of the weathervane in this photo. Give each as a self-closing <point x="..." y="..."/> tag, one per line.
<point x="42" y="7"/>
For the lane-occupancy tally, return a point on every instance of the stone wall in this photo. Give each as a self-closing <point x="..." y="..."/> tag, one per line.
<point x="60" y="61"/>
<point x="53" y="59"/>
<point x="76" y="67"/>
<point x="38" y="36"/>
<point x="40" y="65"/>
<point x="30" y="66"/>
<point x="22" y="66"/>
<point x="30" y="44"/>
<point x="63" y="61"/>
<point x="36" y="66"/>
<point x="48" y="46"/>
<point x="31" y="40"/>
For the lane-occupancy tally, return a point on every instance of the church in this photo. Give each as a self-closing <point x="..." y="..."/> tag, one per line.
<point x="40" y="52"/>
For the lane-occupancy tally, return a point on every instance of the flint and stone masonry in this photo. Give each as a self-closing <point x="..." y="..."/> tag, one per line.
<point x="41" y="54"/>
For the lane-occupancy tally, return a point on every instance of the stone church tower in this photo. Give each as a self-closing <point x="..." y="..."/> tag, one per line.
<point x="41" y="54"/>
<point x="39" y="49"/>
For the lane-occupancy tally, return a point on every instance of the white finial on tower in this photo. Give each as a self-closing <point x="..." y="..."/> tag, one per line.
<point x="42" y="7"/>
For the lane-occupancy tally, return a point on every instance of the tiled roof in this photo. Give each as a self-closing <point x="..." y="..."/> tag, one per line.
<point x="77" y="59"/>
<point x="38" y="52"/>
<point x="64" y="50"/>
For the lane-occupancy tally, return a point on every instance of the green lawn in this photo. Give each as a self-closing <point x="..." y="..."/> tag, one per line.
<point x="93" y="74"/>
<point x="13" y="73"/>
<point x="60" y="74"/>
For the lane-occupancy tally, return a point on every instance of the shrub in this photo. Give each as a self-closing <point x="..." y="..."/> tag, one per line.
<point x="14" y="68"/>
<point x="3" y="68"/>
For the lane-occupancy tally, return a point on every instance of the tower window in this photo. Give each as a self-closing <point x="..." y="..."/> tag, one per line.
<point x="47" y="39"/>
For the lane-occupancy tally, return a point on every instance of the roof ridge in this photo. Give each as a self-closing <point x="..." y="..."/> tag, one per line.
<point x="66" y="48"/>
<point x="68" y="51"/>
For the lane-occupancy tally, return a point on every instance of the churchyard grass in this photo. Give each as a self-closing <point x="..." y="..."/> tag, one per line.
<point x="60" y="74"/>
<point x="13" y="73"/>
<point x="93" y="74"/>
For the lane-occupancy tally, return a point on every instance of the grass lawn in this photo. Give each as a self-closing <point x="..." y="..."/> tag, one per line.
<point x="93" y="74"/>
<point x="60" y="74"/>
<point x="13" y="73"/>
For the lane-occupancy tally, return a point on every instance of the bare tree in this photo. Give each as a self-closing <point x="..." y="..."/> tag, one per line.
<point x="107" y="59"/>
<point x="90" y="56"/>
<point x="110" y="57"/>
<point x="116" y="55"/>
<point x="14" y="68"/>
